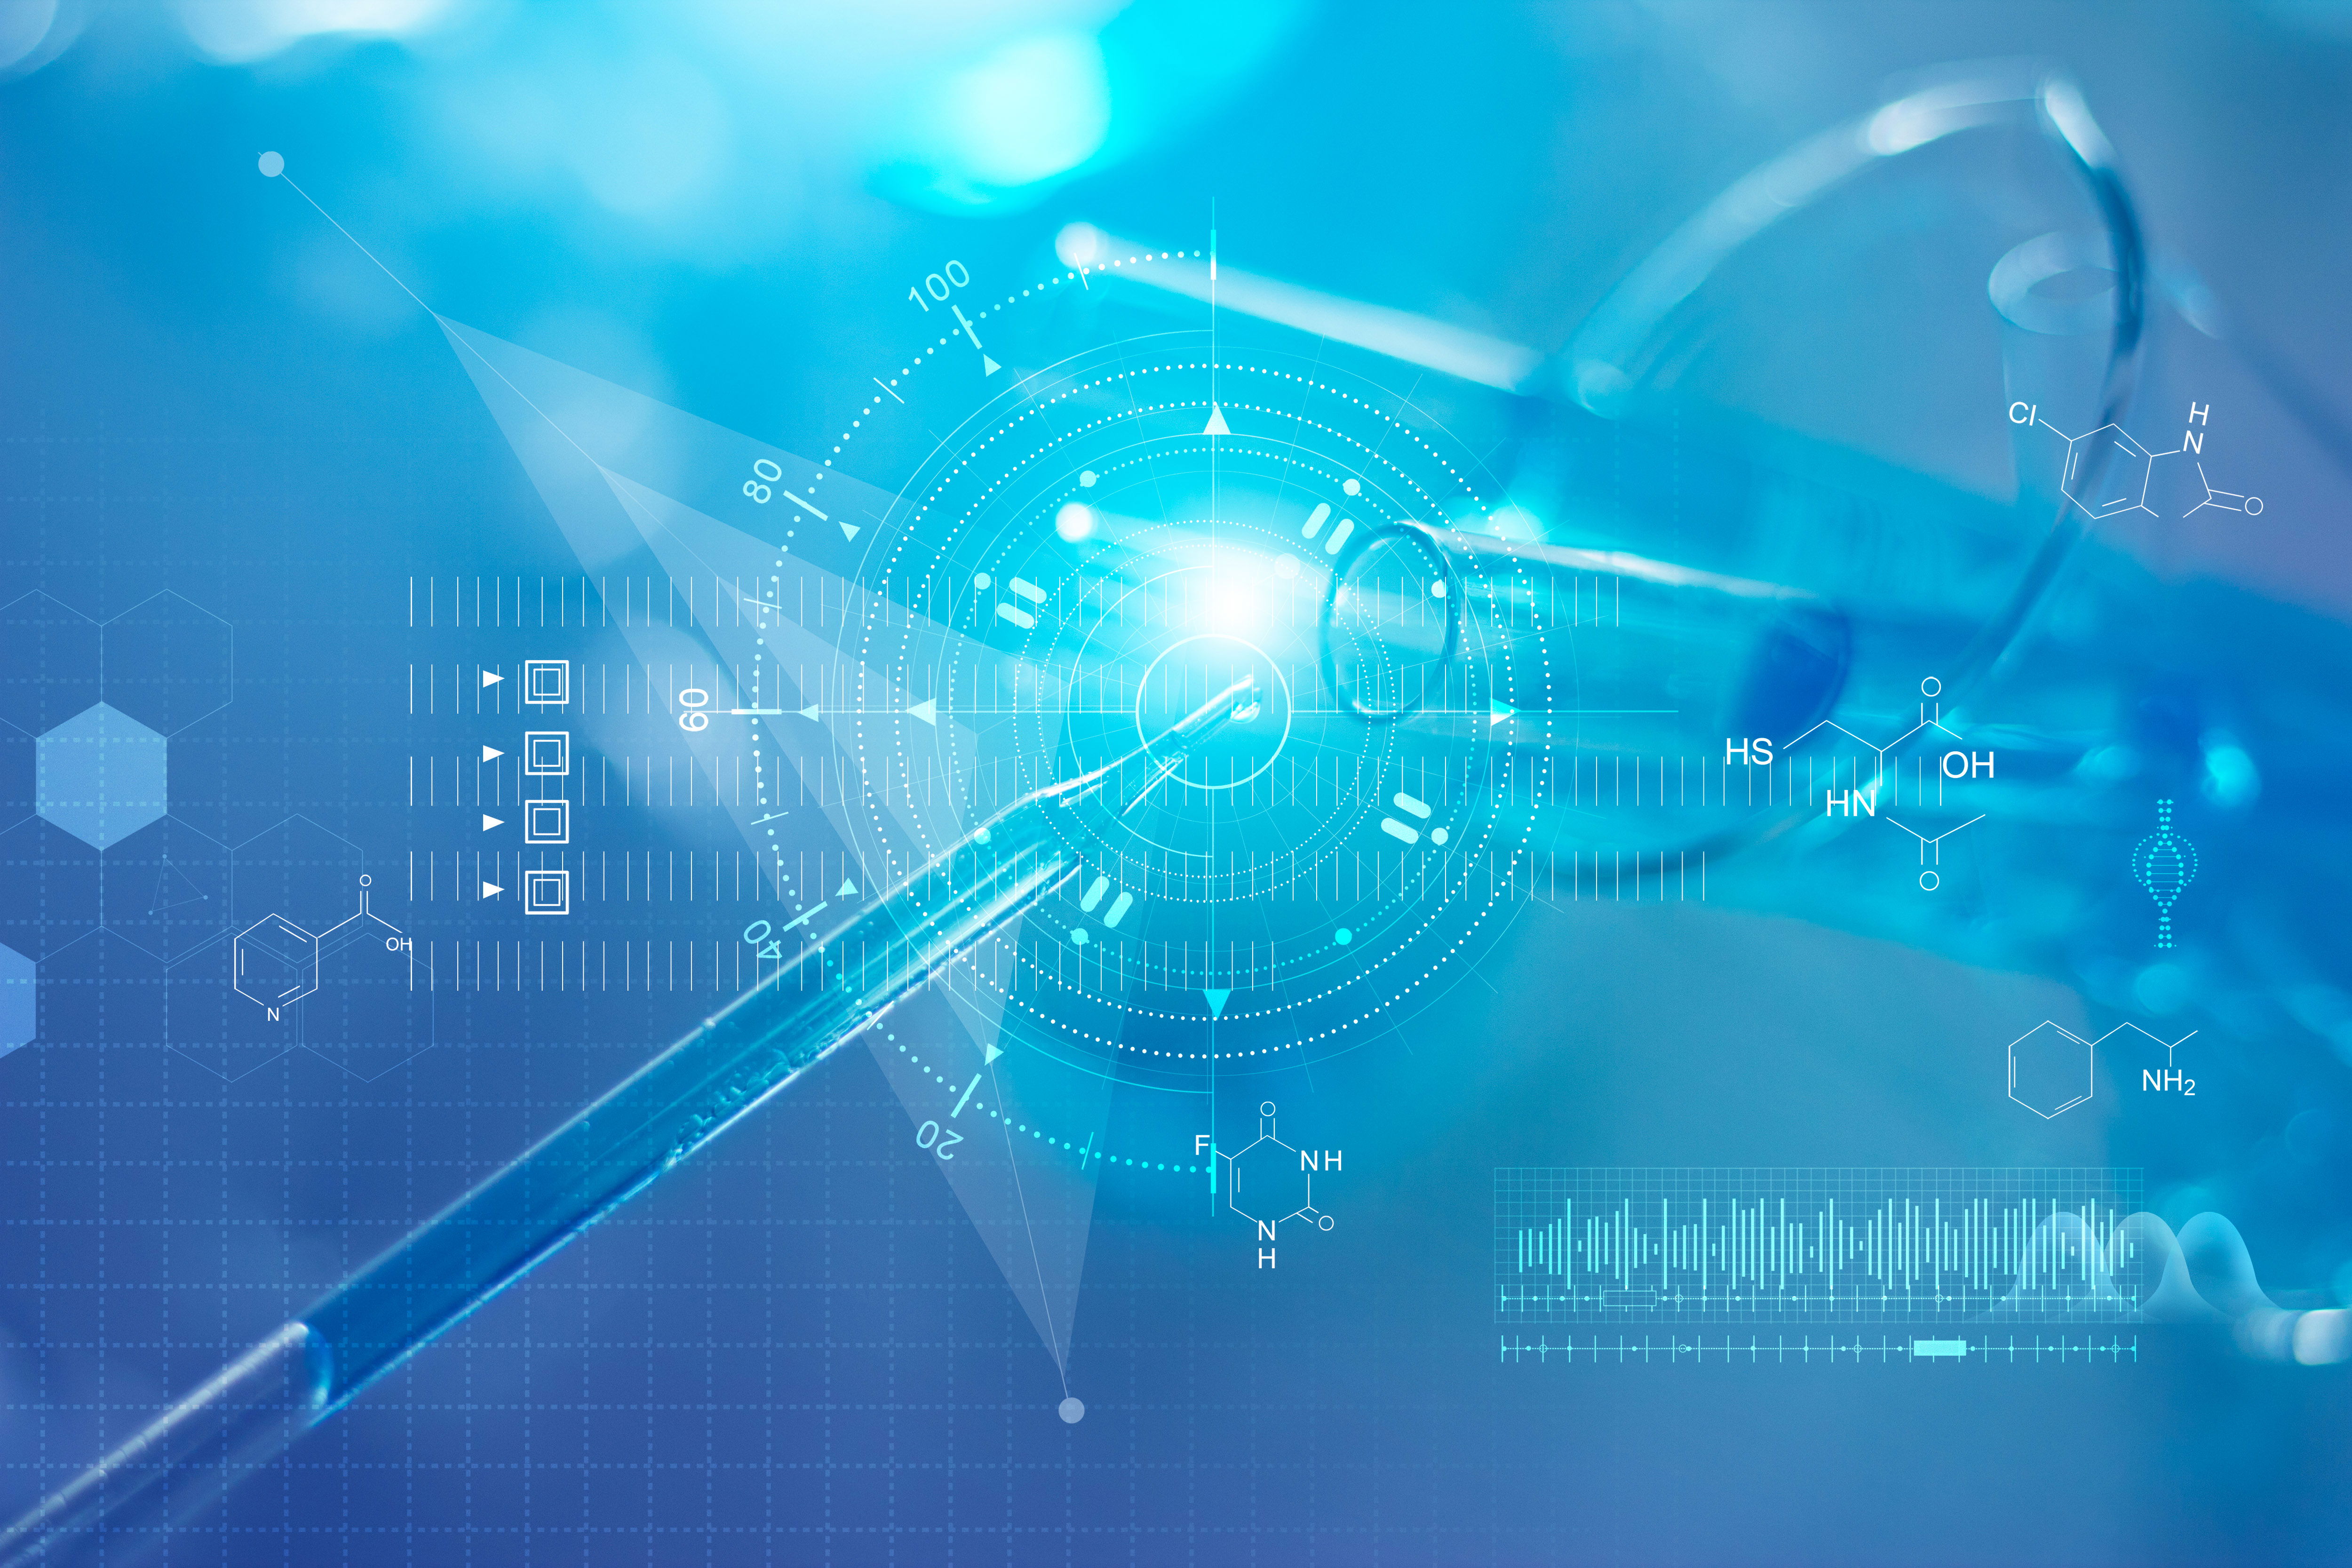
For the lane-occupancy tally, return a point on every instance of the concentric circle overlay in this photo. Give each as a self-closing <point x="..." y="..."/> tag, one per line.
<point x="1193" y="670"/>
<point x="1119" y="523"/>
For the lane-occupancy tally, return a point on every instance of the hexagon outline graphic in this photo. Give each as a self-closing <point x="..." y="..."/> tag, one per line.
<point x="251" y="839"/>
<point x="366" y="927"/>
<point x="219" y="935"/>
<point x="2061" y="1079"/>
<point x="98" y="627"/>
<point x="276" y="963"/>
<point x="72" y="792"/>
<point x="44" y="920"/>
<point x="238" y="859"/>
<point x="229" y="678"/>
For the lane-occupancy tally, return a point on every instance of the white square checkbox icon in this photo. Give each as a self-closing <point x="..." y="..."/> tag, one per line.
<point x="547" y="754"/>
<point x="547" y="892"/>
<point x="547" y="821"/>
<point x="546" y="682"/>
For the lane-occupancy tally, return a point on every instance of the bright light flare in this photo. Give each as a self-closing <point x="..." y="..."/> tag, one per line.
<point x="1236" y="604"/>
<point x="1080" y="244"/>
<point x="1026" y="112"/>
<point x="242" y="30"/>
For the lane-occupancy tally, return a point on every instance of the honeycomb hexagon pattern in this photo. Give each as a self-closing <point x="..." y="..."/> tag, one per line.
<point x="100" y="775"/>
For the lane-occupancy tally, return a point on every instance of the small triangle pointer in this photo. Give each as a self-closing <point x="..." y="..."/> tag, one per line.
<point x="491" y="678"/>
<point x="989" y="366"/>
<point x="848" y="529"/>
<point x="1217" y="425"/>
<point x="1217" y="1000"/>
<point x="989" y="1059"/>
<point x="927" y="711"/>
<point x="491" y="889"/>
<point x="490" y="751"/>
<point x="489" y="822"/>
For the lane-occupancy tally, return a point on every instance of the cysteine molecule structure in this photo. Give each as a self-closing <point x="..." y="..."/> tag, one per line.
<point x="2164" y="863"/>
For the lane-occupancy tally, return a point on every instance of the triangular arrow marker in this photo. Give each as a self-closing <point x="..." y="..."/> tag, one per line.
<point x="991" y="1053"/>
<point x="927" y="711"/>
<point x="491" y="889"/>
<point x="489" y="822"/>
<point x="989" y="366"/>
<point x="491" y="678"/>
<point x="489" y="752"/>
<point x="1217" y="1000"/>
<point x="848" y="529"/>
<point x="1498" y="711"/>
<point x="1217" y="425"/>
<point x="848" y="890"/>
<point x="809" y="712"/>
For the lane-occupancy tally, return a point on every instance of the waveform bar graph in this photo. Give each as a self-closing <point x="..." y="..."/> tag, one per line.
<point x="1621" y="1246"/>
<point x="1785" y="1349"/>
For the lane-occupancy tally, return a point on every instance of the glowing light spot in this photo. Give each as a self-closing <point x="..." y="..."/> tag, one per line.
<point x="1234" y="602"/>
<point x="1025" y="112"/>
<point x="238" y="30"/>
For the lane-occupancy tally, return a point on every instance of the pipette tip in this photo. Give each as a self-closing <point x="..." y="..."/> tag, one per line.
<point x="1166" y="752"/>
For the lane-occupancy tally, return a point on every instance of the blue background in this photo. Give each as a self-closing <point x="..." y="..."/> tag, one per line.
<point x="796" y="1351"/>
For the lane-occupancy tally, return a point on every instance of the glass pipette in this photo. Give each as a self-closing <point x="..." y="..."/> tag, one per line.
<point x="254" y="1408"/>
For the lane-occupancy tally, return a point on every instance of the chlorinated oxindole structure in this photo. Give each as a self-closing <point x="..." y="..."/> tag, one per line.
<point x="2164" y="863"/>
<point x="1268" y="1182"/>
<point x="2106" y="473"/>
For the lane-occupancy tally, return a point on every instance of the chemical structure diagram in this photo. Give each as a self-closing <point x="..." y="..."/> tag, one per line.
<point x="2106" y="473"/>
<point x="2049" y="1068"/>
<point x="1268" y="1182"/>
<point x="1953" y="765"/>
<point x="276" y="963"/>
